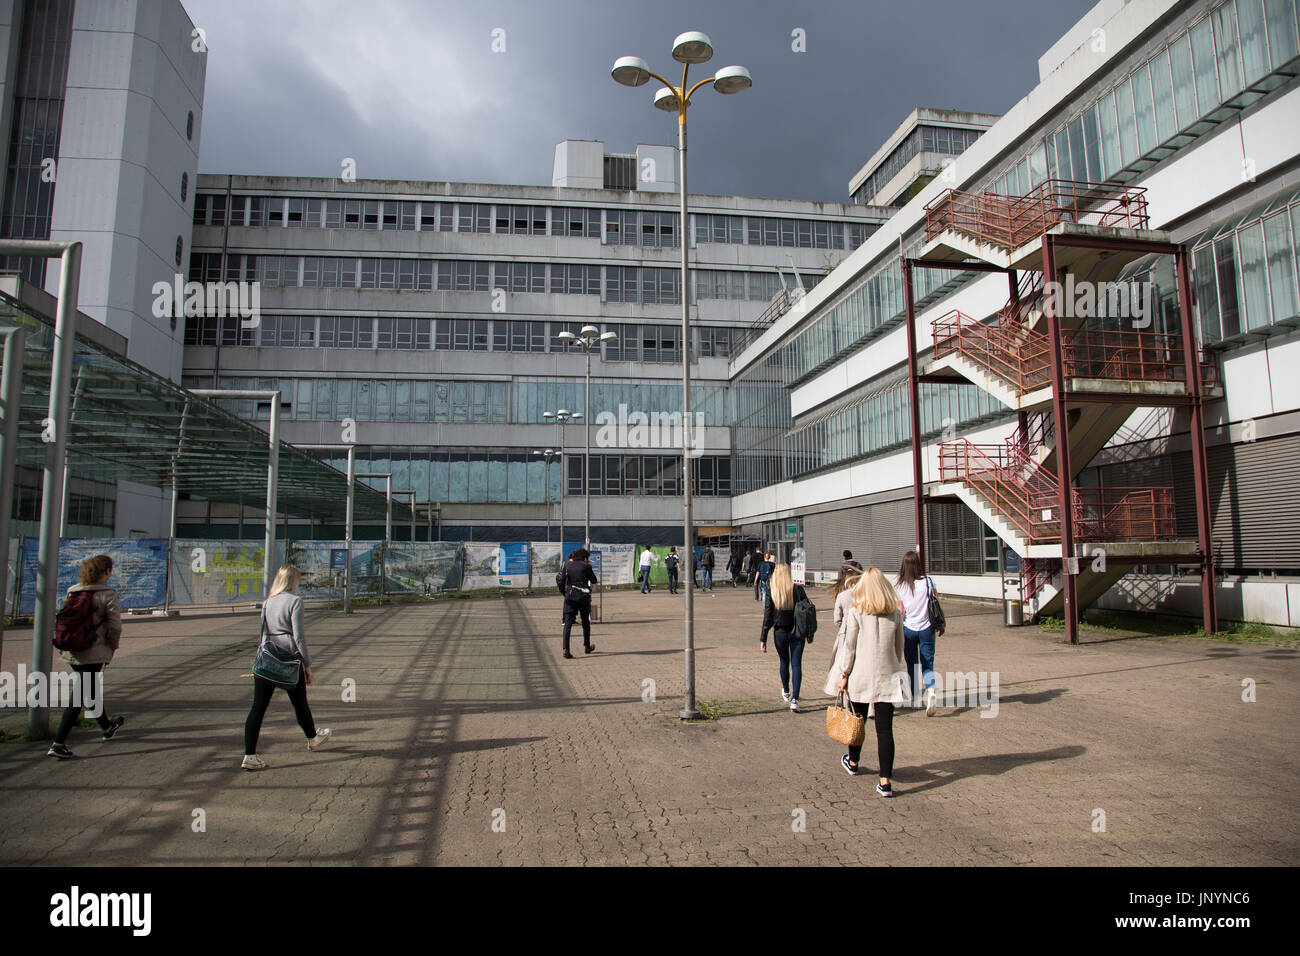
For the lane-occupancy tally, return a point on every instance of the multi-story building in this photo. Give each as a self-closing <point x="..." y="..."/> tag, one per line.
<point x="925" y="144"/>
<point x="1185" y="110"/>
<point x="427" y="315"/>
<point x="101" y="106"/>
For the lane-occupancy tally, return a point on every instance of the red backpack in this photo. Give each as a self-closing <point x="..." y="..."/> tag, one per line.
<point x="74" y="625"/>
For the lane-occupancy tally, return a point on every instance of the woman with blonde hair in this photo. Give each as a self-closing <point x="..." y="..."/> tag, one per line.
<point x="869" y="667"/>
<point x="778" y="617"/>
<point x="96" y="602"/>
<point x="283" y="639"/>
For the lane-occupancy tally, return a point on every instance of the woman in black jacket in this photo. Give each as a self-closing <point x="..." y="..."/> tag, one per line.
<point x="578" y="581"/>
<point x="778" y="617"/>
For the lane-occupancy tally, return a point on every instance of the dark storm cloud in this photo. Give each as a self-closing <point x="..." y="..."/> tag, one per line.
<point x="413" y="90"/>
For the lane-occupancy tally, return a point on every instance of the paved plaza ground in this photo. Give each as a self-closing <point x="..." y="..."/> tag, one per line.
<point x="471" y="741"/>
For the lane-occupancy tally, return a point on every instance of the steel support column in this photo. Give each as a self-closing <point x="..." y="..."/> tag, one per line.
<point x="52" y="485"/>
<point x="914" y="399"/>
<point x="11" y="394"/>
<point x="1196" y="423"/>
<point x="1065" y="513"/>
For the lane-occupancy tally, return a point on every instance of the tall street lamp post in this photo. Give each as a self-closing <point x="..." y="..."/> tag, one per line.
<point x="589" y="338"/>
<point x="688" y="48"/>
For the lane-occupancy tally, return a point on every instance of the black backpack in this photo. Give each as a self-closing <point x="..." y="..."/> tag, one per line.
<point x="671" y="562"/>
<point x="561" y="579"/>
<point x="805" y="618"/>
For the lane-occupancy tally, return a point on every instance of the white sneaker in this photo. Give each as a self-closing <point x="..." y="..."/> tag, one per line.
<point x="321" y="738"/>
<point x="929" y="703"/>
<point x="785" y="697"/>
<point x="253" y="762"/>
<point x="794" y="706"/>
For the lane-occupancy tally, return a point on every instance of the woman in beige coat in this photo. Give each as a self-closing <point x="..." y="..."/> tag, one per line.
<point x="94" y="575"/>
<point x="869" y="666"/>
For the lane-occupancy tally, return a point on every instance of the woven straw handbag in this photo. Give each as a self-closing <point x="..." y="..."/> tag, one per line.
<point x="843" y="725"/>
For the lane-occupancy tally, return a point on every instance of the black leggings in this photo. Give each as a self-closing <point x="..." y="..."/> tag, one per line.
<point x="262" y="691"/>
<point x="884" y="738"/>
<point x="73" y="713"/>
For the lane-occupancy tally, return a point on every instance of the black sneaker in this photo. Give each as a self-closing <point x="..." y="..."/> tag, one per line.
<point x="61" y="751"/>
<point x="885" y="789"/>
<point x="851" y="770"/>
<point x="568" y="656"/>
<point x="114" y="726"/>
<point x="589" y="648"/>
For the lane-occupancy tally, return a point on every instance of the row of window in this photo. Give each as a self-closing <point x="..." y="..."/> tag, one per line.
<point x="83" y="510"/>
<point x="627" y="227"/>
<point x="458" y="475"/>
<point x="923" y="139"/>
<point x="650" y="475"/>
<point x="645" y="284"/>
<point x="442" y="400"/>
<point x="633" y="343"/>
<point x="881" y="420"/>
<point x="1220" y="64"/>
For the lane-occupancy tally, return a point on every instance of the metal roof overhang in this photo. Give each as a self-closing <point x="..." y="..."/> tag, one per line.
<point x="128" y="424"/>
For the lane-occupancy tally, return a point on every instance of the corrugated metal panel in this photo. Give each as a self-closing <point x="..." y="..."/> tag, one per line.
<point x="1252" y="499"/>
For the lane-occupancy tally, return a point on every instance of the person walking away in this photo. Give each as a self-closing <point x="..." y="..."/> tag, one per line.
<point x="734" y="565"/>
<point x="283" y="635"/>
<point x="579" y="579"/>
<point x="778" y="617"/>
<point x="848" y="561"/>
<point x="671" y="564"/>
<point x="914" y="590"/>
<point x="841" y="591"/>
<point x="100" y="606"/>
<point x="762" y="585"/>
<point x="707" y="561"/>
<point x="647" y="558"/>
<point x="752" y="562"/>
<point x="869" y="668"/>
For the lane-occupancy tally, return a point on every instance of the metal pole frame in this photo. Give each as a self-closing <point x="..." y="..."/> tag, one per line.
<point x="914" y="400"/>
<point x="1196" y="422"/>
<point x="351" y="449"/>
<point x="586" y="461"/>
<point x="1060" y="415"/>
<point x="56" y="454"/>
<point x="11" y="395"/>
<point x="689" y="709"/>
<point x="272" y="473"/>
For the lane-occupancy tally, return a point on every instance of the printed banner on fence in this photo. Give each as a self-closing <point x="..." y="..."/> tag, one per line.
<point x="618" y="564"/>
<point x="544" y="562"/>
<point x="512" y="565"/>
<point x="424" y="567"/>
<point x="206" y="572"/>
<point x="139" y="569"/>
<point x="481" y="565"/>
<point x="324" y="568"/>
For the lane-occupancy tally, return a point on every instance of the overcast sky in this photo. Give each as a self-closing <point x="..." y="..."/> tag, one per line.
<point x="413" y="89"/>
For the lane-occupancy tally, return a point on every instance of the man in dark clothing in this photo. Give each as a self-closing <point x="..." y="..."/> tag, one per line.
<point x="735" y="564"/>
<point x="706" y="568"/>
<point x="579" y="578"/>
<point x="848" y="562"/>
<point x="672" y="564"/>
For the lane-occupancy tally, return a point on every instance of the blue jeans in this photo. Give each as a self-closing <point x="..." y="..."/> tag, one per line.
<point x="645" y="579"/>
<point x="707" y="575"/>
<point x="672" y="582"/>
<point x="919" y="643"/>
<point x="790" y="649"/>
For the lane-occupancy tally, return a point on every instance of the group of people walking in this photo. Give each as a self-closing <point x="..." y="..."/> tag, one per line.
<point x="282" y="661"/>
<point x="702" y="565"/>
<point x="882" y="631"/>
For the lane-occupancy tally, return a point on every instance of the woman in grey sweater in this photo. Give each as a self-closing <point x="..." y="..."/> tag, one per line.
<point x="282" y="632"/>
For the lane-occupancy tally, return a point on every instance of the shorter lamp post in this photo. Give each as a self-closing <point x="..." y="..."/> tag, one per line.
<point x="549" y="453"/>
<point x="561" y="417"/>
<point x="589" y="337"/>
